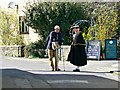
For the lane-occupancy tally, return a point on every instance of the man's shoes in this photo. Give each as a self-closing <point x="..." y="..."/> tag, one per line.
<point x="76" y="70"/>
<point x="52" y="69"/>
<point x="58" y="69"/>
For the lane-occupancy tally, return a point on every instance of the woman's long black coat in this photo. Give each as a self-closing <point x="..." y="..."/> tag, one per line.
<point x="77" y="54"/>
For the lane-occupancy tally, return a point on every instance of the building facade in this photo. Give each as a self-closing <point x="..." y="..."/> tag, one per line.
<point x="18" y="6"/>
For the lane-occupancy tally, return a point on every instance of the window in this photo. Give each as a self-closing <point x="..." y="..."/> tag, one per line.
<point x="22" y="26"/>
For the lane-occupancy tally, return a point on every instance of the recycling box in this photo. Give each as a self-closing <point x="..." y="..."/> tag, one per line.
<point x="111" y="48"/>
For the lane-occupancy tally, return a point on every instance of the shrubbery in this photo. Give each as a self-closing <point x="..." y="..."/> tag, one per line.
<point x="34" y="50"/>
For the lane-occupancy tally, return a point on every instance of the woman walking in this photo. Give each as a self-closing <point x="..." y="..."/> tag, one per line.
<point x="77" y="54"/>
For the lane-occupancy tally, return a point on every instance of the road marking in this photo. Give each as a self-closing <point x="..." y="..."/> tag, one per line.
<point x="23" y="83"/>
<point x="67" y="81"/>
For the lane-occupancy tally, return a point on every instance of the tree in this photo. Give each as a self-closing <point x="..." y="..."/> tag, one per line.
<point x="105" y="21"/>
<point x="9" y="29"/>
<point x="118" y="12"/>
<point x="43" y="17"/>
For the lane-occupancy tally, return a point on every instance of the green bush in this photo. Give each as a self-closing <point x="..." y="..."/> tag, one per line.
<point x="44" y="16"/>
<point x="34" y="50"/>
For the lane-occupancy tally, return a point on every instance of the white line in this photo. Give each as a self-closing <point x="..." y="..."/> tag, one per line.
<point x="67" y="81"/>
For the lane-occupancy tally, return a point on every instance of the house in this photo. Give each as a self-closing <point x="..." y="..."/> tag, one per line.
<point x="17" y="6"/>
<point x="29" y="34"/>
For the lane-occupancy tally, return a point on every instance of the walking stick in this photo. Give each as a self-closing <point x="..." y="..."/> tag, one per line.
<point x="57" y="58"/>
<point x="63" y="57"/>
<point x="60" y="53"/>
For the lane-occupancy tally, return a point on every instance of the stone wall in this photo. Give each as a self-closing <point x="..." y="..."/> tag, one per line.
<point x="64" y="52"/>
<point x="18" y="51"/>
<point x="43" y="52"/>
<point x="15" y="50"/>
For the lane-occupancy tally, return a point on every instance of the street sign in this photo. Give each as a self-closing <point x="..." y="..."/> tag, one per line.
<point x="111" y="48"/>
<point x="93" y="49"/>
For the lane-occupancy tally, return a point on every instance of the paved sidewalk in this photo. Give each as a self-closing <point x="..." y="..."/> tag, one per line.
<point x="105" y="65"/>
<point x="109" y="66"/>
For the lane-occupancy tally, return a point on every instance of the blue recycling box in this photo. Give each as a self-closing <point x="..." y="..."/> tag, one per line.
<point x="111" y="48"/>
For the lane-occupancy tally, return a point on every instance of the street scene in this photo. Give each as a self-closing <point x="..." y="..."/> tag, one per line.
<point x="60" y="44"/>
<point x="25" y="73"/>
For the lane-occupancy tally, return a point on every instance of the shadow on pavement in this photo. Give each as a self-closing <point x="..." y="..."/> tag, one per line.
<point x="15" y="78"/>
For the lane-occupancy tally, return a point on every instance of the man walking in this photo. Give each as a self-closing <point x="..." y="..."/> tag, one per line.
<point x="53" y="42"/>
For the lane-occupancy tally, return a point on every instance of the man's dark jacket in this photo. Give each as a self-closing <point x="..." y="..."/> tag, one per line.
<point x="54" y="37"/>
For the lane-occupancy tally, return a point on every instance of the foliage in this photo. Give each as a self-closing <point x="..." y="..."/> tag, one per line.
<point x="9" y="29"/>
<point x="118" y="12"/>
<point x="44" y="16"/>
<point x="34" y="50"/>
<point x="104" y="18"/>
<point x="105" y="23"/>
